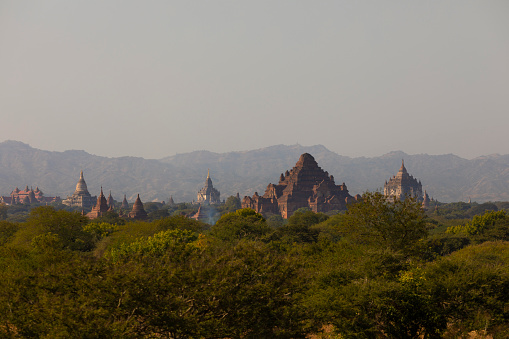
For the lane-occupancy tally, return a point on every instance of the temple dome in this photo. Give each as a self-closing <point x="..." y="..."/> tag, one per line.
<point x="81" y="186"/>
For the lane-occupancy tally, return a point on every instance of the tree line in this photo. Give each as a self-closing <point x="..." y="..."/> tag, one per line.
<point x="383" y="269"/>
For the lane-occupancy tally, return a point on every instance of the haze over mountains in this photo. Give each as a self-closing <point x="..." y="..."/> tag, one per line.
<point x="447" y="177"/>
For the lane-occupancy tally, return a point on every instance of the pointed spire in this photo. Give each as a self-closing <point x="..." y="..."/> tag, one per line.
<point x="110" y="201"/>
<point x="138" y="212"/>
<point x="125" y="204"/>
<point x="208" y="173"/>
<point x="402" y="169"/>
<point x="81" y="175"/>
<point x="100" y="207"/>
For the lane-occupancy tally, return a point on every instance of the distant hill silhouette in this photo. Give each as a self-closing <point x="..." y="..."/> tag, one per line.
<point x="445" y="177"/>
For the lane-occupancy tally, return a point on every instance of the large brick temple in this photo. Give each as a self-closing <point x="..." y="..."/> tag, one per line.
<point x="403" y="185"/>
<point x="305" y="185"/>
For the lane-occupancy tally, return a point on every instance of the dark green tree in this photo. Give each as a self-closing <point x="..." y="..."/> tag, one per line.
<point x="3" y="211"/>
<point x="68" y="226"/>
<point x="7" y="231"/>
<point x="232" y="204"/>
<point x="395" y="224"/>
<point x="241" y="224"/>
<point x="299" y="229"/>
<point x="275" y="221"/>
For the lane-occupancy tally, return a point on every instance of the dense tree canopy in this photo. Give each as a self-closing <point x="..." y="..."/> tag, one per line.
<point x="383" y="269"/>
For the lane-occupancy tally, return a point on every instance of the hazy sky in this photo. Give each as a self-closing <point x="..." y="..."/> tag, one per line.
<point x="155" y="78"/>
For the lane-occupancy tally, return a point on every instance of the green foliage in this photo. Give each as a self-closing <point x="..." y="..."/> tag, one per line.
<point x="152" y="206"/>
<point x="3" y="211"/>
<point x="258" y="292"/>
<point x="443" y="244"/>
<point x="99" y="229"/>
<point x="183" y="209"/>
<point x="65" y="296"/>
<point x="18" y="213"/>
<point x="158" y="214"/>
<point x="449" y="297"/>
<point x="332" y="229"/>
<point x="179" y="242"/>
<point x="232" y="204"/>
<point x="179" y="222"/>
<point x="243" y="291"/>
<point x="68" y="226"/>
<point x="303" y="210"/>
<point x="298" y="229"/>
<point x="307" y="218"/>
<point x="127" y="233"/>
<point x="110" y="217"/>
<point x="479" y="223"/>
<point x="471" y="286"/>
<point x="394" y="224"/>
<point x="275" y="221"/>
<point x="368" y="273"/>
<point x="241" y="224"/>
<point x="7" y="231"/>
<point x="463" y="210"/>
<point x="47" y="242"/>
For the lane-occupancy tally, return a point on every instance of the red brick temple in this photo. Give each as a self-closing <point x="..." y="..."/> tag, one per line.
<point x="305" y="185"/>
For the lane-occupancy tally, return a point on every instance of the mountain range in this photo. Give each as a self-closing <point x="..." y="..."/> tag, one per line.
<point x="446" y="177"/>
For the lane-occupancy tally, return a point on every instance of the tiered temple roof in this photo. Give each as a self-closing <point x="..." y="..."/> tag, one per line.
<point x="208" y="194"/>
<point x="100" y="207"/>
<point x="305" y="185"/>
<point x="81" y="197"/>
<point x="403" y="185"/>
<point x="27" y="196"/>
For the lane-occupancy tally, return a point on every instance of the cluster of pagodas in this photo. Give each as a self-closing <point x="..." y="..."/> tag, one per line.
<point x="82" y="198"/>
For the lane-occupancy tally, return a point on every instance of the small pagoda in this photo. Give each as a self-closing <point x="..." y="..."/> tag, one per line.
<point x="138" y="211"/>
<point x="100" y="207"/>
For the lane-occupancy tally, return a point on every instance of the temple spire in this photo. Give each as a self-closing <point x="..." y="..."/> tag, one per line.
<point x="208" y="194"/>
<point x="402" y="169"/>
